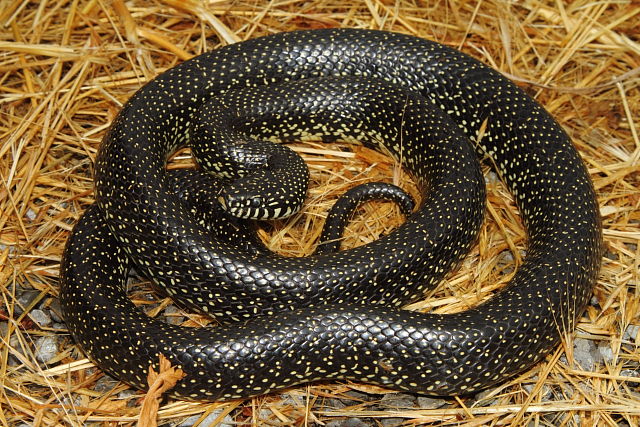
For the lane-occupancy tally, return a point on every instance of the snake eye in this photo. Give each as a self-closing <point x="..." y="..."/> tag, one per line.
<point x="256" y="202"/>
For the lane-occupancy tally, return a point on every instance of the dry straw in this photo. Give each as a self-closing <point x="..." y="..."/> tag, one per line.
<point x="66" y="67"/>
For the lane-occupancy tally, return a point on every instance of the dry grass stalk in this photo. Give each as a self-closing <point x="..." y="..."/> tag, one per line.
<point x="67" y="67"/>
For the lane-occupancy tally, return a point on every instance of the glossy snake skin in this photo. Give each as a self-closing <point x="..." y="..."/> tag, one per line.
<point x="334" y="315"/>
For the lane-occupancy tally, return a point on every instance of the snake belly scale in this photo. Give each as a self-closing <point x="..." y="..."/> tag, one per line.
<point x="309" y="330"/>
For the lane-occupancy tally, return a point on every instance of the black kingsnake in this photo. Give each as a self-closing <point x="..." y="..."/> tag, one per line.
<point x="297" y="338"/>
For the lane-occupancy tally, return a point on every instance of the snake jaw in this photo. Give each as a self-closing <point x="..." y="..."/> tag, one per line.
<point x="245" y="206"/>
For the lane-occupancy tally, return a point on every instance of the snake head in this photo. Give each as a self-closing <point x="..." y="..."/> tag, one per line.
<point x="272" y="184"/>
<point x="259" y="196"/>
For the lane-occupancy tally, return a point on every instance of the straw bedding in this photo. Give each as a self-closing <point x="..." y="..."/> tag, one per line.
<point x="67" y="67"/>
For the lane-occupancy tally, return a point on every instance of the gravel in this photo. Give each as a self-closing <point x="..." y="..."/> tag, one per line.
<point x="41" y="317"/>
<point x="227" y="421"/>
<point x="46" y="348"/>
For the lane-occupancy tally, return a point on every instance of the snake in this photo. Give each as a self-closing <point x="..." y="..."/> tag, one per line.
<point x="336" y="315"/>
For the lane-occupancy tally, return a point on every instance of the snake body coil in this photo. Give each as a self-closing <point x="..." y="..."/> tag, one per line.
<point x="315" y="325"/>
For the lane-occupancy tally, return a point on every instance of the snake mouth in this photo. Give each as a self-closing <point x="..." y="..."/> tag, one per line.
<point x="244" y="208"/>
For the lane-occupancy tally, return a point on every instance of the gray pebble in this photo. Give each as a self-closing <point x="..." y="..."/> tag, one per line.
<point x="391" y="422"/>
<point x="59" y="326"/>
<point x="349" y="422"/>
<point x="353" y="397"/>
<point x="126" y="394"/>
<point x="356" y="395"/>
<point x="631" y="333"/>
<point x="611" y="255"/>
<point x="46" y="348"/>
<point x="41" y="317"/>
<point x="398" y="400"/>
<point x="506" y="256"/>
<point x="568" y="389"/>
<point x="335" y="404"/>
<point x="430" y="402"/>
<point x="265" y="414"/>
<point x="584" y="352"/>
<point x="485" y="398"/>
<point x="171" y="312"/>
<point x="630" y="373"/>
<point x="25" y="297"/>
<point x="55" y="310"/>
<point x="491" y="178"/>
<point x="208" y="421"/>
<point x="546" y="391"/>
<point x="505" y="260"/>
<point x="605" y="352"/>
<point x="105" y="384"/>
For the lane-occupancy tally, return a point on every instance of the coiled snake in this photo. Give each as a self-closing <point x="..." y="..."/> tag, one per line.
<point x="331" y="315"/>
